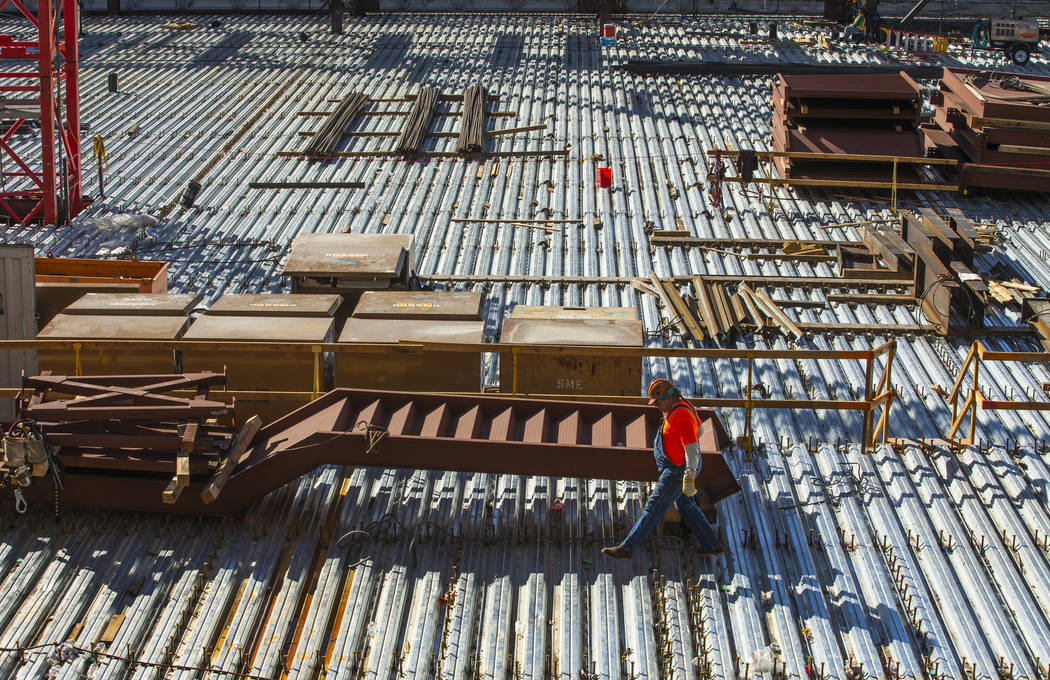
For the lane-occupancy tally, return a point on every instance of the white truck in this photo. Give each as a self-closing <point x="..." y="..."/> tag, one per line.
<point x="1018" y="38"/>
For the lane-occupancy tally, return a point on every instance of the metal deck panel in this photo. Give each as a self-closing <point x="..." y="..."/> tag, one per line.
<point x="528" y="579"/>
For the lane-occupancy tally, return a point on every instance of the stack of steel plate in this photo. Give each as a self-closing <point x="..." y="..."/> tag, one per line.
<point x="1000" y="123"/>
<point x="870" y="114"/>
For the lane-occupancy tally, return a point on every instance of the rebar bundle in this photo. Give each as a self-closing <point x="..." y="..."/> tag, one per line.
<point x="324" y="140"/>
<point x="472" y="120"/>
<point x="418" y="121"/>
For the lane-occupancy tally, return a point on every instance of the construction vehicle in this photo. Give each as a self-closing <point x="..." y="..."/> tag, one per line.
<point x="1018" y="38"/>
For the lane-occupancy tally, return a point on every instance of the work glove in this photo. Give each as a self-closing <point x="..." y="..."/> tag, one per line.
<point x="688" y="487"/>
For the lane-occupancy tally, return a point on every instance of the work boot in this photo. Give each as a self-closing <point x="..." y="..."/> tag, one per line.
<point x="617" y="552"/>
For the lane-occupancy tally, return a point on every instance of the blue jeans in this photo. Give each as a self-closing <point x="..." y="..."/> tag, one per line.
<point x="668" y="492"/>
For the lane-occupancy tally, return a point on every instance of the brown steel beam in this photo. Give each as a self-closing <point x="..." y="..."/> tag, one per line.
<point x="53" y="412"/>
<point x="616" y="446"/>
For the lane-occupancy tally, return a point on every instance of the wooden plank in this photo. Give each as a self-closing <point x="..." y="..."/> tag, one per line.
<point x="721" y="307"/>
<point x="640" y="285"/>
<point x="707" y="312"/>
<point x="237" y="449"/>
<point x="747" y="298"/>
<point x="739" y="313"/>
<point x="112" y="628"/>
<point x="1030" y="150"/>
<point x="675" y="305"/>
<point x="182" y="469"/>
<point x="172" y="491"/>
<point x="976" y="122"/>
<point x="786" y="324"/>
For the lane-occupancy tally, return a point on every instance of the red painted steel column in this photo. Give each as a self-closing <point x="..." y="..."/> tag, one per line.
<point x="71" y="36"/>
<point x="47" y="113"/>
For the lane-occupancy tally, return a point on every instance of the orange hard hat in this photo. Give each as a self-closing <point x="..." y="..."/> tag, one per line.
<point x="659" y="388"/>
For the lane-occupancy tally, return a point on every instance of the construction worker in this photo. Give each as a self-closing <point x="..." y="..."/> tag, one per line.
<point x="677" y="453"/>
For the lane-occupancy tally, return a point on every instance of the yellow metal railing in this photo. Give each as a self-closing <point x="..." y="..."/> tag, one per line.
<point x="877" y="395"/>
<point x="976" y="400"/>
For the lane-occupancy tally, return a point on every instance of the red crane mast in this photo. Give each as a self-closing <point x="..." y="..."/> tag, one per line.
<point x="40" y="81"/>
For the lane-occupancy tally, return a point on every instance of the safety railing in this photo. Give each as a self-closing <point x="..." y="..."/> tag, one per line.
<point x="976" y="400"/>
<point x="877" y="399"/>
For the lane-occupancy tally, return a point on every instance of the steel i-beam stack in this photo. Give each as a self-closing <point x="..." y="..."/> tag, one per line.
<point x="868" y="114"/>
<point x="1000" y="123"/>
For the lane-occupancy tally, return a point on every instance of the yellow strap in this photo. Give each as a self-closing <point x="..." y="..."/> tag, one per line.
<point x="99" y="146"/>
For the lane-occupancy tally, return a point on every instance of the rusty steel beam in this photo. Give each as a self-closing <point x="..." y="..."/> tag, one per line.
<point x="98" y="399"/>
<point x="414" y="431"/>
<point x="68" y="410"/>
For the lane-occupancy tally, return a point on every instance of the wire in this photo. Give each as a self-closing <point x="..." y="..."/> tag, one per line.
<point x="1033" y="317"/>
<point x="356" y="532"/>
<point x="941" y="280"/>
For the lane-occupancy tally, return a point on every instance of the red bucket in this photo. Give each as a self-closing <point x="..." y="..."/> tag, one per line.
<point x="604" y="177"/>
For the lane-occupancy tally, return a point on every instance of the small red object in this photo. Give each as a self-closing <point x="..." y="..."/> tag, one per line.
<point x="608" y="30"/>
<point x="604" y="177"/>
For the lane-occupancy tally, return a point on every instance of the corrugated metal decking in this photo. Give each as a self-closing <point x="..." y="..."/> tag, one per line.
<point x="859" y="565"/>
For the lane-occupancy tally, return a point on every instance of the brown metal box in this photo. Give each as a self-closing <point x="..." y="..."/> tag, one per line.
<point x="61" y="280"/>
<point x="276" y="370"/>
<point x="349" y="264"/>
<point x="53" y="297"/>
<point x="576" y="373"/>
<point x="413" y="316"/>
<point x="419" y="305"/>
<point x="111" y="327"/>
<point x="235" y="304"/>
<point x="134" y="304"/>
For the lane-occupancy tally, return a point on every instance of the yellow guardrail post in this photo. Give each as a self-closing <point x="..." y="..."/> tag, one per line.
<point x="746" y="441"/>
<point x="76" y="358"/>
<point x="317" y="370"/>
<point x="973" y="408"/>
<point x="514" y="381"/>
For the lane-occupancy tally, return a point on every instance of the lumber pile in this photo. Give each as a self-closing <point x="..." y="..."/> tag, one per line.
<point x="999" y="123"/>
<point x="716" y="311"/>
<point x="859" y="115"/>
<point x="331" y="131"/>
<point x="418" y="121"/>
<point x="472" y="120"/>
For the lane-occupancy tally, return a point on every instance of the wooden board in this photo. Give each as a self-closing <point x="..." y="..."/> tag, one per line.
<point x="237" y="450"/>
<point x="112" y="628"/>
